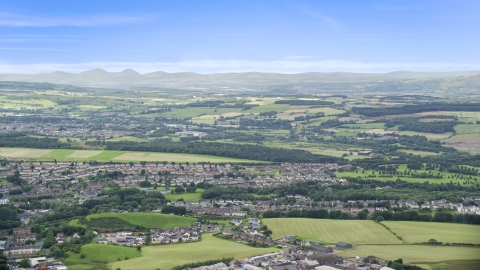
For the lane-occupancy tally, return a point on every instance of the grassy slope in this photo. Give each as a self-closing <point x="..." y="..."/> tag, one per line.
<point x="417" y="232"/>
<point x="415" y="254"/>
<point x="149" y="220"/>
<point x="351" y="231"/>
<point x="97" y="256"/>
<point x="168" y="256"/>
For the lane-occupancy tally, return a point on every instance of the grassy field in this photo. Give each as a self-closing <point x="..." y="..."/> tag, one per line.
<point x="97" y="256"/>
<point x="417" y="232"/>
<point x="430" y="136"/>
<point x="149" y="220"/>
<point x="168" y="256"/>
<point x="332" y="231"/>
<point x="402" y="168"/>
<point x="416" y="254"/>
<point x="188" y="197"/>
<point x="107" y="155"/>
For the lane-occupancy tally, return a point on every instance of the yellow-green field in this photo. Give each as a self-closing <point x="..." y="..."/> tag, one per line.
<point x="418" y="232"/>
<point x="168" y="256"/>
<point x="332" y="231"/>
<point x="416" y="254"/>
<point x="107" y="155"/>
<point x="149" y="220"/>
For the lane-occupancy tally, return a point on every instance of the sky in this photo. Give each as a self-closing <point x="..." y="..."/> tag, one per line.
<point x="210" y="36"/>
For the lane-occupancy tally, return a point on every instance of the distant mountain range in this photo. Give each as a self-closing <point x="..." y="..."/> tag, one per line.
<point x="130" y="78"/>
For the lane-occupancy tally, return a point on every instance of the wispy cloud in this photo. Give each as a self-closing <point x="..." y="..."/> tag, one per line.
<point x="300" y="56"/>
<point x="211" y="66"/>
<point x="17" y="20"/>
<point x="325" y="19"/>
<point x="397" y="8"/>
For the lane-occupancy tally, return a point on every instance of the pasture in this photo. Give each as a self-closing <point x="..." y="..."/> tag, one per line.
<point x="97" y="256"/>
<point x="188" y="197"/>
<point x="332" y="231"/>
<point x="416" y="254"/>
<point x="168" y="256"/>
<point x="417" y="232"/>
<point x="149" y="220"/>
<point x="107" y="155"/>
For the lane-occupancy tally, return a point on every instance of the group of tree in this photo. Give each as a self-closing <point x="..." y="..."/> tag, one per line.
<point x="407" y="109"/>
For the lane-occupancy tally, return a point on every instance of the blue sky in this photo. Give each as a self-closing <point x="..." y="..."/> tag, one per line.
<point x="229" y="36"/>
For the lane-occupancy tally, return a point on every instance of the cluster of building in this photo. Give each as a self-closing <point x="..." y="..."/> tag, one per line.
<point x="70" y="129"/>
<point x="53" y="178"/>
<point x="307" y="257"/>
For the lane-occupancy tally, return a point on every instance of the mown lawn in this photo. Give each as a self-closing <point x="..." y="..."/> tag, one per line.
<point x="168" y="256"/>
<point x="331" y="231"/>
<point x="149" y="220"/>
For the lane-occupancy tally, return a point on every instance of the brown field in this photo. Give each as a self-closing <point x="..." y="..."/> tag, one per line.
<point x="462" y="143"/>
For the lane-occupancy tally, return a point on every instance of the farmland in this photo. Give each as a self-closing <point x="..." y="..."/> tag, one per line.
<point x="331" y="231"/>
<point x="168" y="256"/>
<point x="108" y="155"/>
<point x="417" y="232"/>
<point x="149" y="220"/>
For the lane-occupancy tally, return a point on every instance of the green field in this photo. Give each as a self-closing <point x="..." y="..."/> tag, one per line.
<point x="416" y="254"/>
<point x="149" y="220"/>
<point x="97" y="256"/>
<point x="168" y="256"/>
<point x="188" y="197"/>
<point x="417" y="232"/>
<point x="108" y="155"/>
<point x="332" y="231"/>
<point x="381" y="177"/>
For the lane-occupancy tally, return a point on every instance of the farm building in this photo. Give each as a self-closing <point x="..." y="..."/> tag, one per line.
<point x="344" y="245"/>
<point x="320" y="248"/>
<point x="364" y="153"/>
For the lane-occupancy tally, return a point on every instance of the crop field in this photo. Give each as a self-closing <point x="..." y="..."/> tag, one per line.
<point x="416" y="254"/>
<point x="23" y="152"/>
<point x="149" y="220"/>
<point x="107" y="155"/>
<point x="97" y="256"/>
<point x="332" y="231"/>
<point x="417" y="232"/>
<point x="168" y="256"/>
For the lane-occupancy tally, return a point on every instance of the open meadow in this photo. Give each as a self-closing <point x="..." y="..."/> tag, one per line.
<point x="187" y="197"/>
<point x="168" y="256"/>
<point x="419" y="254"/>
<point x="149" y="220"/>
<point x="332" y="231"/>
<point x="418" y="232"/>
<point x="97" y="256"/>
<point x="108" y="155"/>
